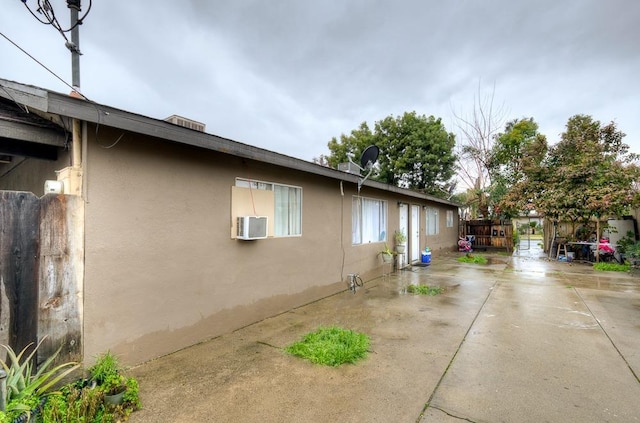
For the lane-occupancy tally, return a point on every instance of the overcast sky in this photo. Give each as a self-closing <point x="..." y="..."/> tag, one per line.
<point x="287" y="75"/>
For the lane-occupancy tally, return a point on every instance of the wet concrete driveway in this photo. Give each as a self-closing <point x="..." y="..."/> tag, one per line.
<point x="521" y="339"/>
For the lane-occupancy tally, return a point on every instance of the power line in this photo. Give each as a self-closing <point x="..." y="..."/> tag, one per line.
<point x="40" y="63"/>
<point x="45" y="8"/>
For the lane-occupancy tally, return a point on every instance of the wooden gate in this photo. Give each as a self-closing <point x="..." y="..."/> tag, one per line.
<point x="41" y="266"/>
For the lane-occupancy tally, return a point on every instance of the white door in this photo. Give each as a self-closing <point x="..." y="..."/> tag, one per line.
<point x="414" y="238"/>
<point x="403" y="226"/>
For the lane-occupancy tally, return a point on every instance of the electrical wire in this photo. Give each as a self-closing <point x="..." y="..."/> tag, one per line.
<point x="41" y="64"/>
<point x="99" y="111"/>
<point x="21" y="106"/>
<point x="45" y="8"/>
<point x="108" y="146"/>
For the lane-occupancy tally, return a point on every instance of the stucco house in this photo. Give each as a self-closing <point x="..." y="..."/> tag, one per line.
<point x="145" y="255"/>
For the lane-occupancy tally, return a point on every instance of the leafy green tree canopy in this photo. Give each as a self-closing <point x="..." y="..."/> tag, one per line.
<point x="589" y="173"/>
<point x="514" y="153"/>
<point x="416" y="151"/>
<point x="512" y="147"/>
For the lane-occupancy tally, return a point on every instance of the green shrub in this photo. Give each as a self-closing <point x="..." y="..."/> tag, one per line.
<point x="132" y="394"/>
<point x="84" y="400"/>
<point x="76" y="405"/>
<point x="632" y="250"/>
<point x="611" y="267"/>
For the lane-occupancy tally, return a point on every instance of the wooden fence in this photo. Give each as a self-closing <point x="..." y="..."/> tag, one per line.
<point x="41" y="267"/>
<point x="489" y="234"/>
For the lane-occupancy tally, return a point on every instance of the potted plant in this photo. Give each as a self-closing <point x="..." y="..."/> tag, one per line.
<point x="401" y="241"/>
<point x="107" y="375"/>
<point x="387" y="254"/>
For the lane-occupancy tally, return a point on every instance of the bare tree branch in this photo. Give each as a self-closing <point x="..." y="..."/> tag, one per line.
<point x="475" y="142"/>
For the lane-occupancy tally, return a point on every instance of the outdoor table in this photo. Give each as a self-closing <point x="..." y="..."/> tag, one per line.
<point x="582" y="244"/>
<point x="601" y="246"/>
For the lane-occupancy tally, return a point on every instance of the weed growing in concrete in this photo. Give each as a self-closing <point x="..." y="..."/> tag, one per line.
<point x="331" y="346"/>
<point x="611" y="267"/>
<point x="469" y="258"/>
<point x="425" y="290"/>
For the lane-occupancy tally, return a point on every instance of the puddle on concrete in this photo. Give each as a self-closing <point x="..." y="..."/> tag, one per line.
<point x="497" y="260"/>
<point x="603" y="284"/>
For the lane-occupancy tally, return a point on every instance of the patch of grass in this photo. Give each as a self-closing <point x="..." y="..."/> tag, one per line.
<point x="469" y="258"/>
<point x="611" y="267"/>
<point x="425" y="290"/>
<point x="331" y="346"/>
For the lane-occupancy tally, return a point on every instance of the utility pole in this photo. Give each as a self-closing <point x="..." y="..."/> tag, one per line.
<point x="75" y="177"/>
<point x="74" y="45"/>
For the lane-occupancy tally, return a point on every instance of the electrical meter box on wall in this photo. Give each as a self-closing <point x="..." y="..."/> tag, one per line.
<point x="53" y="187"/>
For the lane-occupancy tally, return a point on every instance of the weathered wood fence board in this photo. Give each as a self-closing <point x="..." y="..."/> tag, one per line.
<point x="19" y="239"/>
<point x="41" y="269"/>
<point x="61" y="268"/>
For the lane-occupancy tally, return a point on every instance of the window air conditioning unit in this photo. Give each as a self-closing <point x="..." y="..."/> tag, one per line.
<point x="252" y="227"/>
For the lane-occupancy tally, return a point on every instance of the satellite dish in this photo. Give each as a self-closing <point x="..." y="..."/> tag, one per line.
<point x="369" y="157"/>
<point x="367" y="160"/>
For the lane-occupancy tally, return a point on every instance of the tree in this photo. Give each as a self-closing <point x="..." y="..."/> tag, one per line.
<point x="349" y="145"/>
<point x="511" y="148"/>
<point x="524" y="194"/>
<point x="516" y="151"/>
<point x="478" y="131"/>
<point x="416" y="152"/>
<point x="589" y="173"/>
<point x="595" y="172"/>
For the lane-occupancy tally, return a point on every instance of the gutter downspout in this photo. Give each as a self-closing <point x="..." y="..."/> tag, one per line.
<point x="71" y="176"/>
<point x="76" y="142"/>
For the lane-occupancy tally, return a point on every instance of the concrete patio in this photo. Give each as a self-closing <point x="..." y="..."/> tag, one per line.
<point x="521" y="339"/>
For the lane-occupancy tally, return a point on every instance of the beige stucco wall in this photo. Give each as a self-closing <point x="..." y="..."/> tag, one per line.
<point x="162" y="271"/>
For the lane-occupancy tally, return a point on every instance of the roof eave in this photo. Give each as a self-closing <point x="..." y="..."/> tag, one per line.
<point x="76" y="108"/>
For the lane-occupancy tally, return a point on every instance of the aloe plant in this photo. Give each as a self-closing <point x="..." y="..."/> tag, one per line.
<point x="22" y="382"/>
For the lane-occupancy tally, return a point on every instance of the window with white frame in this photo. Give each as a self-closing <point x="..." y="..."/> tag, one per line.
<point x="449" y="218"/>
<point x="433" y="223"/>
<point x="369" y="220"/>
<point x="288" y="205"/>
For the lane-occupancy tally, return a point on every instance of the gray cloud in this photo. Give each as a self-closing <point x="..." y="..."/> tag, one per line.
<point x="288" y="75"/>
